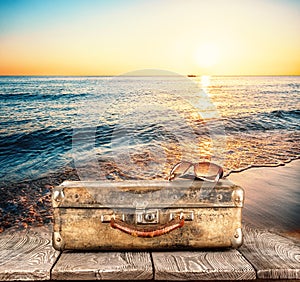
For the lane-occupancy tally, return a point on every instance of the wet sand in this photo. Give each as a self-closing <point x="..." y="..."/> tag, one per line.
<point x="28" y="204"/>
<point x="272" y="197"/>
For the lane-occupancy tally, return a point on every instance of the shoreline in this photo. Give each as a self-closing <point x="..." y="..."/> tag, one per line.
<point x="282" y="164"/>
<point x="275" y="206"/>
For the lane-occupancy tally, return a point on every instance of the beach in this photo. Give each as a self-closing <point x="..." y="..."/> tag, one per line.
<point x="271" y="200"/>
<point x="27" y="204"/>
<point x="94" y="128"/>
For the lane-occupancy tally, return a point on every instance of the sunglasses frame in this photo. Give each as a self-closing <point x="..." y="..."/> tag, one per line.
<point x="217" y="177"/>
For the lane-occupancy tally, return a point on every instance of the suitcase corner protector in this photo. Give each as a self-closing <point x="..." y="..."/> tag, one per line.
<point x="238" y="196"/>
<point x="237" y="239"/>
<point x="57" y="241"/>
<point x="57" y="196"/>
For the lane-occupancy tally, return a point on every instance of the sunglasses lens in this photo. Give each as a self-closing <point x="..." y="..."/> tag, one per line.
<point x="179" y="169"/>
<point x="208" y="171"/>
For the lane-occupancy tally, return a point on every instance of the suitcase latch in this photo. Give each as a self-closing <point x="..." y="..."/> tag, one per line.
<point x="141" y="216"/>
<point x="150" y="216"/>
<point x="187" y="215"/>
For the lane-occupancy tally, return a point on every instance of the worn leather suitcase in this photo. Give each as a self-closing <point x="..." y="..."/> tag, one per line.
<point x="147" y="215"/>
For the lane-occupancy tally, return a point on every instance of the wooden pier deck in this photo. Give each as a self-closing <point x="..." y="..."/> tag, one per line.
<point x="264" y="256"/>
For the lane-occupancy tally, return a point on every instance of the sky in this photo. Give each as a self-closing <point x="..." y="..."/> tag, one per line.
<point x="94" y="37"/>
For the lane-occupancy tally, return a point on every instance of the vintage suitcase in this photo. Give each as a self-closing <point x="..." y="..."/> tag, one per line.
<point x="147" y="215"/>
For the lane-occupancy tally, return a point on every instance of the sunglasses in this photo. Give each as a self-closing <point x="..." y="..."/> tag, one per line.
<point x="203" y="170"/>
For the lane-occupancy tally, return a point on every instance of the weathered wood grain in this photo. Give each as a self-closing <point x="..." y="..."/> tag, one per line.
<point x="204" y="265"/>
<point x="273" y="256"/>
<point x="103" y="266"/>
<point x="25" y="256"/>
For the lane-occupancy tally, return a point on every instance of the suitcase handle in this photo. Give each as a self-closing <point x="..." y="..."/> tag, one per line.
<point x="149" y="233"/>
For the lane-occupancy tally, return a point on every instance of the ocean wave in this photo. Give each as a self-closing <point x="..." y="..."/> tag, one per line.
<point x="29" y="96"/>
<point x="274" y="120"/>
<point x="23" y="154"/>
<point x="38" y="139"/>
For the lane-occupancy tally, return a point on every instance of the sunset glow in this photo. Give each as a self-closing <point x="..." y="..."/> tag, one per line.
<point x="208" y="55"/>
<point x="259" y="37"/>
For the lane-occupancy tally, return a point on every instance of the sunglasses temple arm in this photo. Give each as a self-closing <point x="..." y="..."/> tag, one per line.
<point x="219" y="175"/>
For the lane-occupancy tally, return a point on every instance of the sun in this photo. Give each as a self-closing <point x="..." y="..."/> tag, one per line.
<point x="207" y="55"/>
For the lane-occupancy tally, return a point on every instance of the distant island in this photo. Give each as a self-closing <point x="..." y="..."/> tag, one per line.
<point x="192" y="75"/>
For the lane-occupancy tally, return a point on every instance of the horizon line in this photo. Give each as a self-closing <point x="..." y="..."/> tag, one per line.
<point x="143" y="75"/>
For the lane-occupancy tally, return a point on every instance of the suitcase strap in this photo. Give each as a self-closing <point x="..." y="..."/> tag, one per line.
<point x="149" y="232"/>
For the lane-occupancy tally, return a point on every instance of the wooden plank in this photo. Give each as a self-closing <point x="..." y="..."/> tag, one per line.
<point x="273" y="256"/>
<point x="204" y="265"/>
<point x="103" y="266"/>
<point x="26" y="256"/>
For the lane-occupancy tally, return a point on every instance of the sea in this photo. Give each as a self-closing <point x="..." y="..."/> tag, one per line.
<point x="138" y="126"/>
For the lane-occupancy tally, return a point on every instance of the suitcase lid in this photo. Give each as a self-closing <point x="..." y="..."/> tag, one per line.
<point x="142" y="194"/>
